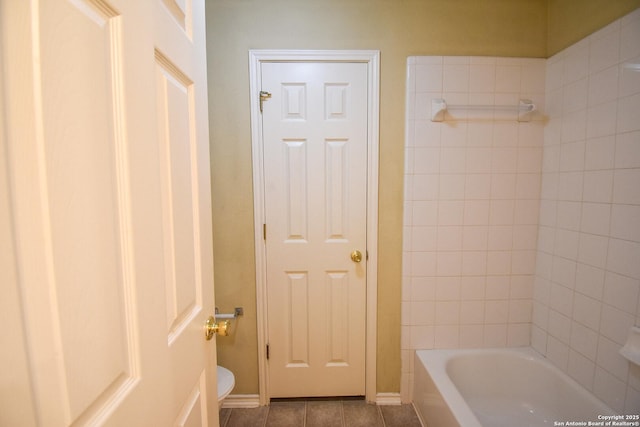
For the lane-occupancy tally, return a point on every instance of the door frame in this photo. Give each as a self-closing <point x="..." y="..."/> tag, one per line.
<point x="372" y="59"/>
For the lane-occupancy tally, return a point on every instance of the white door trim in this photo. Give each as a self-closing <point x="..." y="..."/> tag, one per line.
<point x="372" y="59"/>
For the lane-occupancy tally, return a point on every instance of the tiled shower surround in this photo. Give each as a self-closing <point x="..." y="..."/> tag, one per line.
<point x="528" y="233"/>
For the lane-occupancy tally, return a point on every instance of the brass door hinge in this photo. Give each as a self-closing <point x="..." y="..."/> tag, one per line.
<point x="263" y="97"/>
<point x="264" y="231"/>
<point x="267" y="351"/>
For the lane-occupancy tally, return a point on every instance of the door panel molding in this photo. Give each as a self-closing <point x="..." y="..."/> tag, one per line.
<point x="372" y="59"/>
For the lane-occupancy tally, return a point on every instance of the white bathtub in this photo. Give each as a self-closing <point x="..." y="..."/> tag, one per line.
<point x="496" y="388"/>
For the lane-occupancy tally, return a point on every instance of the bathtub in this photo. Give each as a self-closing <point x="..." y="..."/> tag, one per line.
<point x="499" y="387"/>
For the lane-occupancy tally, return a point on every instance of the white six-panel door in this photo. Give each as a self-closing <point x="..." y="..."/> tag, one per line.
<point x="108" y="180"/>
<point x="315" y="177"/>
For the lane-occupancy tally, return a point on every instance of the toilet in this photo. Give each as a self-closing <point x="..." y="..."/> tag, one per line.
<point x="226" y="382"/>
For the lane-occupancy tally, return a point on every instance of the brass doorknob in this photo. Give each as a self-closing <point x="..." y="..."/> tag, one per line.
<point x="211" y="327"/>
<point x="356" y="256"/>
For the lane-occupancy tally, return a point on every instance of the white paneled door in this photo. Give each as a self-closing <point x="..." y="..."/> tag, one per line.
<point x="315" y="177"/>
<point x="105" y="175"/>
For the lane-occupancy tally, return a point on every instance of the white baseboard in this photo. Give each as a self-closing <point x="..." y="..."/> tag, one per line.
<point x="241" y="401"/>
<point x="388" y="399"/>
<point x="253" y="400"/>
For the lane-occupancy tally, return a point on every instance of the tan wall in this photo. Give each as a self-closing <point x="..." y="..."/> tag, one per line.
<point x="398" y="28"/>
<point x="571" y="20"/>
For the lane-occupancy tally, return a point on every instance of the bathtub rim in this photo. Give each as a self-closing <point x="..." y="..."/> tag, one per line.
<point x="434" y="362"/>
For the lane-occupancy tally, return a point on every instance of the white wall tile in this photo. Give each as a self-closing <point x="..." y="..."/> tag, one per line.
<point x="472" y="312"/>
<point x="525" y="237"/>
<point x="625" y="222"/>
<point x="423" y="263"/>
<point x="426" y="134"/>
<point x="599" y="153"/>
<point x="629" y="77"/>
<point x="508" y="78"/>
<point x="504" y="160"/>
<point x="560" y="298"/>
<point x="554" y="74"/>
<point x="478" y="160"/>
<point x="609" y="389"/>
<point x="574" y="96"/>
<point x="423" y="288"/>
<point x="564" y="272"/>
<point x="456" y="78"/>
<point x="428" y="77"/>
<point x="587" y="311"/>
<point x="592" y="250"/>
<point x="574" y="126"/>
<point x="601" y="120"/>
<point x="449" y="263"/>
<point x="623" y="256"/>
<point x="598" y="186"/>
<point x="476" y="212"/>
<point x="572" y="156"/>
<point x="590" y="281"/>
<point x="603" y="86"/>
<point x="627" y="152"/>
<point x="557" y="352"/>
<point x="495" y="335"/>
<point x="584" y="340"/>
<point x="423" y="239"/>
<point x="471" y="336"/>
<point x="472" y="288"/>
<point x="529" y="160"/>
<point x="450" y="212"/>
<point x="604" y="50"/>
<point x="477" y="186"/>
<point x="424" y="213"/>
<point x="595" y="218"/>
<point x="518" y="334"/>
<point x="482" y="78"/>
<point x="520" y="311"/>
<point x="569" y="215"/>
<point x="503" y="185"/>
<point x="497" y="288"/>
<point x="621" y="292"/>
<point x="611" y="360"/>
<point x="474" y="263"/>
<point x="539" y="340"/>
<point x="632" y="401"/>
<point x="447" y="336"/>
<point x="576" y="63"/>
<point x="426" y="160"/>
<point x="625" y="186"/>
<point x="570" y="186"/>
<point x="567" y="245"/>
<point x="452" y="186"/>
<point x="614" y="324"/>
<point x="581" y="369"/>
<point x="628" y="108"/>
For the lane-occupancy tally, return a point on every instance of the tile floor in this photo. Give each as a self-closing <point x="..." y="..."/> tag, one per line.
<point x="321" y="413"/>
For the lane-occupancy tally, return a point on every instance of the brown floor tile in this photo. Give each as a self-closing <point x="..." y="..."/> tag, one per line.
<point x="224" y="415"/>
<point x="320" y="413"/>
<point x="249" y="417"/>
<point x="324" y="414"/>
<point x="400" y="416"/>
<point x="286" y="414"/>
<point x="361" y="414"/>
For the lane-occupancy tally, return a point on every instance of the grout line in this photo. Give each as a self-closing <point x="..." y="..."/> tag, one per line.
<point x="384" y="424"/>
<point x="304" y="417"/>
<point x="266" y="416"/>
